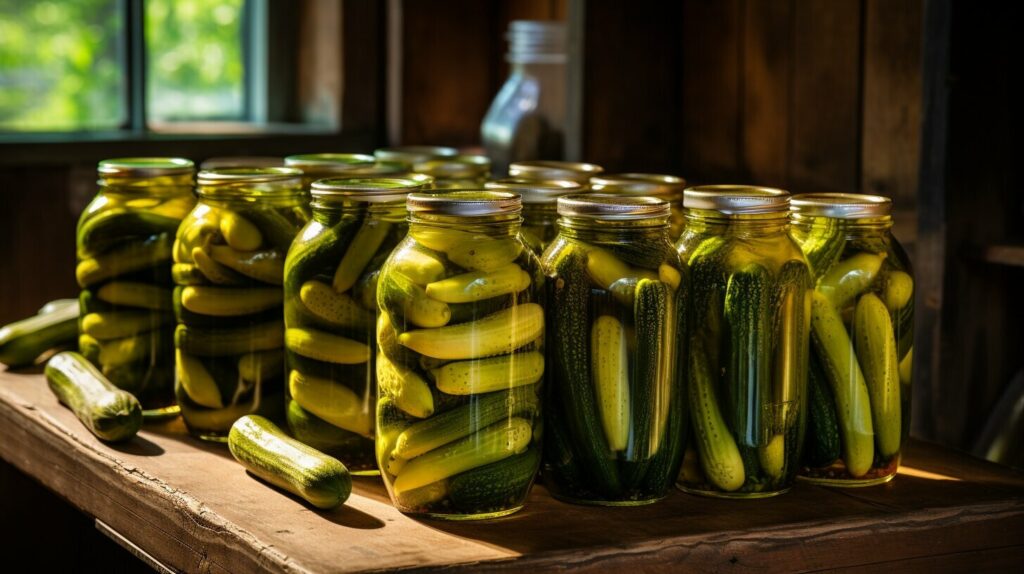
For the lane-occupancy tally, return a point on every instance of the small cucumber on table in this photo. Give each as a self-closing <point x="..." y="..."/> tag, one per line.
<point x="267" y="452"/>
<point x="23" y="341"/>
<point x="109" y="413"/>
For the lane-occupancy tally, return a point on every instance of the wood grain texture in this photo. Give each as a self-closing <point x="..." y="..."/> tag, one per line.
<point x="220" y="519"/>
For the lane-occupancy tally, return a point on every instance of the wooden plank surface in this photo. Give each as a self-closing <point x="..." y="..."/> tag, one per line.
<point x="190" y="506"/>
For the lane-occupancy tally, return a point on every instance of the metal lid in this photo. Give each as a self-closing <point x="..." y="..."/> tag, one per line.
<point x="329" y="162"/>
<point x="235" y="175"/>
<point x="458" y="167"/>
<point x="464" y="203"/>
<point x="736" y="199"/>
<point x="536" y="191"/>
<point x="840" y="205"/>
<point x="612" y="206"/>
<point x="241" y="161"/>
<point x="367" y="189"/>
<point x="413" y="154"/>
<point x="668" y="187"/>
<point x="145" y="167"/>
<point x="571" y="170"/>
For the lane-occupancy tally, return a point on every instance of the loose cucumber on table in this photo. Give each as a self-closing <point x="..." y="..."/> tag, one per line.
<point x="23" y="341"/>
<point x="108" y="412"/>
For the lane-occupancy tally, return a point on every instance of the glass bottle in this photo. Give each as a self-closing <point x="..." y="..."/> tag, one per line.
<point x="124" y="242"/>
<point x="545" y="170"/>
<point x="459" y="172"/>
<point x="862" y="333"/>
<point x="615" y="419"/>
<point x="229" y="267"/>
<point x="667" y="187"/>
<point x="749" y="323"/>
<point x="330" y="299"/>
<point x="539" y="212"/>
<point x="460" y="359"/>
<point x="527" y="118"/>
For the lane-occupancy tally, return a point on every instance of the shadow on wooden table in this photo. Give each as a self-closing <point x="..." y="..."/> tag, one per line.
<point x="174" y="429"/>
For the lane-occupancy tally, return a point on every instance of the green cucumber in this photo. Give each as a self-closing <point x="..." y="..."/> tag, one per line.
<point x="238" y="231"/>
<point x="609" y="273"/>
<point x="823" y="442"/>
<point x="320" y="434"/>
<point x="387" y="342"/>
<point x="849" y="278"/>
<point x="214" y="342"/>
<point x="108" y="412"/>
<point x="264" y="266"/>
<point x="215" y="272"/>
<point x="276" y="229"/>
<point x="478" y="285"/>
<point x="326" y="347"/>
<point x="23" y="341"/>
<point x="853" y="405"/>
<point x="336" y="309"/>
<point x="332" y="402"/>
<point x="906" y="368"/>
<point x="497" y="485"/>
<point x="118" y="352"/>
<point x="719" y="455"/>
<point x="405" y="387"/>
<point x="406" y="300"/>
<point x="107" y="229"/>
<point x="183" y="315"/>
<point x="316" y="250"/>
<point x="495" y="334"/>
<point x="463" y="312"/>
<point x="106" y="325"/>
<point x="133" y="257"/>
<point x="134" y="294"/>
<point x="750" y="362"/>
<point x="267" y="452"/>
<point x="876" y="352"/>
<point x="359" y="253"/>
<point x="418" y="264"/>
<point x="230" y="302"/>
<point x="56" y="304"/>
<point x="197" y="382"/>
<point x="899" y="290"/>
<point x="485" y="253"/>
<point x="487" y="375"/>
<point x="822" y="244"/>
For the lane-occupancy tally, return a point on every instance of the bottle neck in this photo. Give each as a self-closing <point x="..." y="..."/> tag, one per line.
<point x="506" y="224"/>
<point x="700" y="221"/>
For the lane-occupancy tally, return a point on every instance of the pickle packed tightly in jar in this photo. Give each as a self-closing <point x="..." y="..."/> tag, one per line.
<point x="124" y="243"/>
<point x="749" y="324"/>
<point x="540" y="214"/>
<point x="229" y="267"/>
<point x="615" y="415"/>
<point x="862" y="332"/>
<point x="460" y="359"/>
<point x="330" y="291"/>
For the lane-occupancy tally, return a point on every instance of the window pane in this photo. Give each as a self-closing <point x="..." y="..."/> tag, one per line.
<point x="60" y="65"/>
<point x="195" y="61"/>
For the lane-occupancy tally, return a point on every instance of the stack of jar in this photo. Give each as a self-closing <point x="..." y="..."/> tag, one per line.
<point x="433" y="336"/>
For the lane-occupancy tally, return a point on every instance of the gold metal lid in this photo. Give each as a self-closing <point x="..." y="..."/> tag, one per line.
<point x="413" y="154"/>
<point x="134" y="167"/>
<point x="667" y="187"/>
<point x="536" y="191"/>
<point x="736" y="199"/>
<point x="571" y="170"/>
<point x="840" y="205"/>
<point x="367" y="189"/>
<point x="468" y="166"/>
<point x="610" y="206"/>
<point x="464" y="203"/>
<point x="329" y="163"/>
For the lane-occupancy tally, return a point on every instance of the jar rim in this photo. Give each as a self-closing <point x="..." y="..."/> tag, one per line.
<point x="371" y="189"/>
<point x="223" y="162"/>
<point x="464" y="166"/>
<point x="467" y="203"/>
<point x="412" y="154"/>
<point x="235" y="175"/>
<point x="536" y="191"/>
<point x="840" y="205"/>
<point x="733" y="199"/>
<point x="612" y="207"/>
<point x="669" y="187"/>
<point x="577" y="171"/>
<point x="329" y="162"/>
<point x="132" y="167"/>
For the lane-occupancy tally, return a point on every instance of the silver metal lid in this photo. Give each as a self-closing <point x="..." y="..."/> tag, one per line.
<point x="464" y="203"/>
<point x="241" y="161"/>
<point x="667" y="187"/>
<point x="840" y="205"/>
<point x="612" y="206"/>
<point x="329" y="162"/>
<point x="131" y="167"/>
<point x="236" y="175"/>
<point x="736" y="199"/>
<point x="413" y="154"/>
<point x="367" y="189"/>
<point x="536" y="191"/>
<point x="469" y="166"/>
<point x="579" y="172"/>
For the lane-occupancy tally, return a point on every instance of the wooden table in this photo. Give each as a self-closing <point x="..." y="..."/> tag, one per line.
<point x="188" y="506"/>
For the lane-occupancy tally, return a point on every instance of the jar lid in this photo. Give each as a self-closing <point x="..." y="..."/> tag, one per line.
<point x="464" y="203"/>
<point x="841" y="205"/>
<point x="736" y="199"/>
<point x="667" y="187"/>
<point x="235" y="175"/>
<point x="145" y="167"/>
<point x="470" y="166"/>
<point x="367" y="189"/>
<point x="329" y="162"/>
<point x="612" y="206"/>
<point x="241" y="161"/>
<point x="413" y="154"/>
<point x="536" y="191"/>
<point x="571" y="170"/>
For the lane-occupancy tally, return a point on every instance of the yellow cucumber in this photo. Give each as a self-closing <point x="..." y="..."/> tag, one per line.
<point x="485" y="253"/>
<point x="405" y="299"/>
<point x="479" y="285"/>
<point x="337" y="309"/>
<point x="419" y="497"/>
<point x="332" y="402"/>
<point x="134" y="257"/>
<point x="265" y="266"/>
<point x="496" y="334"/>
<point x="410" y="393"/>
<point x="133" y="294"/>
<point x="197" y="382"/>
<point x="214" y="272"/>
<point x="719" y="456"/>
<point x="906" y="367"/>
<point x="229" y="302"/>
<point x="359" y="253"/>
<point x="853" y="405"/>
<point x="609" y="273"/>
<point x="849" y="278"/>
<point x="440" y="239"/>
<point x="496" y="442"/>
<point x="669" y="275"/>
<point x="899" y="288"/>
<point x="255" y="367"/>
<point x="609" y="356"/>
<point x="187" y="274"/>
<point x="876" y="351"/>
<point x="488" y="375"/>
<point x="418" y="265"/>
<point x="772" y="457"/>
<point x="117" y="352"/>
<point x="106" y="325"/>
<point x="324" y="346"/>
<point x="239" y="232"/>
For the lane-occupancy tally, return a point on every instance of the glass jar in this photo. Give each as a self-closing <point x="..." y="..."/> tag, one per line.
<point x="539" y="212"/>
<point x="316" y="166"/>
<point x="330" y="298"/>
<point x="410" y="155"/>
<point x="124" y="243"/>
<point x="229" y="268"/>
<point x="460" y="359"/>
<point x="527" y="119"/>
<point x="749" y="322"/>
<point x="241" y="161"/>
<point x="459" y="172"/>
<point x="667" y="187"/>
<point x="862" y="330"/>
<point x="579" y="172"/>
<point x="615" y="421"/>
